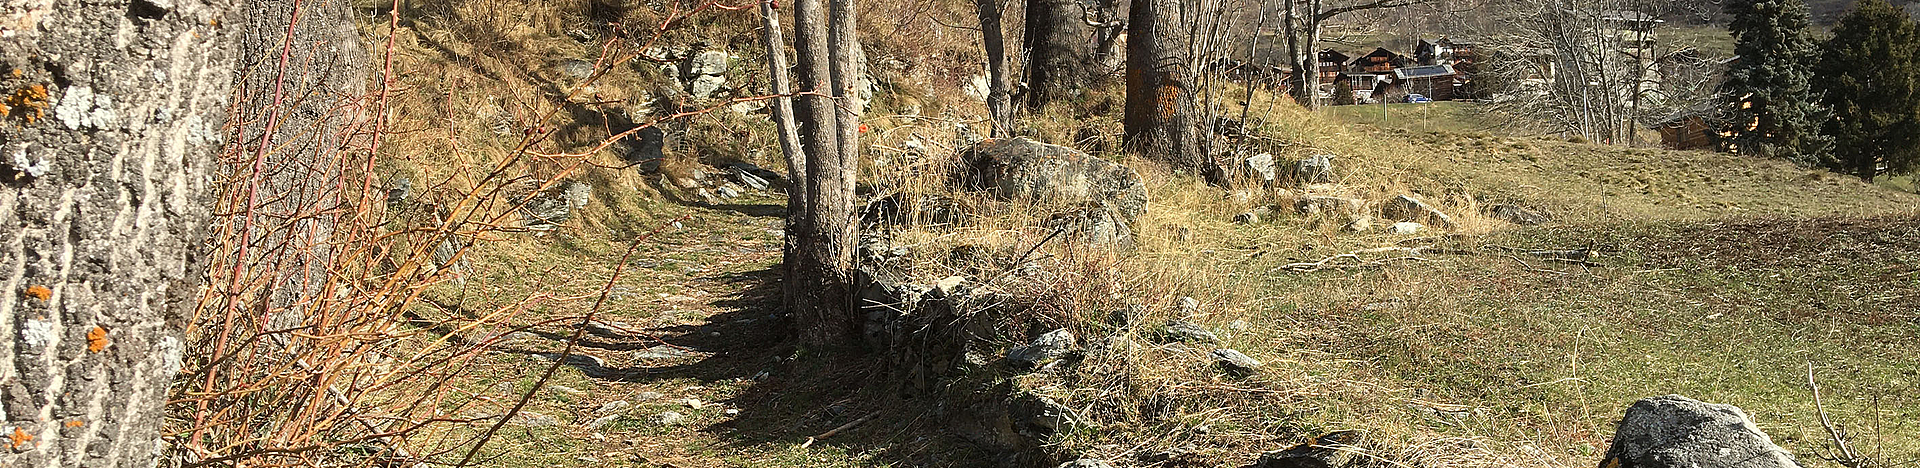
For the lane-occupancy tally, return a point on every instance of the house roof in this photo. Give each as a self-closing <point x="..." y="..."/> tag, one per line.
<point x="1428" y="71"/>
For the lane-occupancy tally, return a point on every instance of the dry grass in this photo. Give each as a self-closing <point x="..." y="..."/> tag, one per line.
<point x="1470" y="360"/>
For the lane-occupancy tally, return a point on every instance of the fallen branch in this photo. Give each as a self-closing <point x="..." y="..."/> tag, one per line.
<point x="1353" y="260"/>
<point x="1843" y="452"/>
<point x="837" y="430"/>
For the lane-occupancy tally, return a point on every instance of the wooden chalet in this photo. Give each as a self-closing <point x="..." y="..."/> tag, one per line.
<point x="1332" y="64"/>
<point x="1380" y="60"/>
<point x="1437" y="82"/>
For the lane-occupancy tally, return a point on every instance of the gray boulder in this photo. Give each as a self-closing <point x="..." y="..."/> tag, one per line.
<point x="575" y="68"/>
<point x="1678" y="432"/>
<point x="1096" y="223"/>
<point x="1261" y="167"/>
<point x="555" y="205"/>
<point x="703" y="86"/>
<point x="1314" y="204"/>
<point x="1043" y="349"/>
<point x="1314" y="170"/>
<point x="1189" y="332"/>
<point x="711" y="62"/>
<point x="1235" y="363"/>
<point x="1408" y="208"/>
<point x="1023" y="169"/>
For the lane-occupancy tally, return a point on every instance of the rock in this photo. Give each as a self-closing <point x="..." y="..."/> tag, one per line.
<point x="1188" y="306"/>
<point x="555" y="205"/>
<point x="1261" y="167"/>
<point x="1408" y="208"/>
<point x="1315" y="204"/>
<point x="1184" y="331"/>
<point x="1359" y="223"/>
<point x="602" y="421"/>
<point x="977" y="88"/>
<point x="1518" y="215"/>
<point x="1253" y="216"/>
<point x="711" y="62"/>
<point x="669" y="418"/>
<point x="1042" y="350"/>
<point x="663" y="352"/>
<point x="1321" y="452"/>
<point x="1095" y="223"/>
<point x="1678" y="432"/>
<point x="648" y="396"/>
<point x="1085" y="463"/>
<point x="645" y="154"/>
<point x="1314" y="170"/>
<point x="615" y="406"/>
<point x="747" y="178"/>
<point x="1235" y="362"/>
<point x="1040" y="415"/>
<point x="1404" y="228"/>
<point x="704" y="86"/>
<point x="575" y="68"/>
<point x="1027" y="170"/>
<point x="576" y="192"/>
<point x="726" y="192"/>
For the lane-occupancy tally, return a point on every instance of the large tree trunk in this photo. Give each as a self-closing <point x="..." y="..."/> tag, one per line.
<point x="1160" y="115"/>
<point x="300" y="74"/>
<point x="820" y="269"/>
<point x="1062" y="48"/>
<point x="999" y="82"/>
<point x="104" y="188"/>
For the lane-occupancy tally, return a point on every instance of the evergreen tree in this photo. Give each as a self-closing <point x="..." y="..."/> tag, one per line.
<point x="1869" y="78"/>
<point x="1772" y="109"/>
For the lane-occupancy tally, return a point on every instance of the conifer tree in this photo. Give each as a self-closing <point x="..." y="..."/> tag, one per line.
<point x="1772" y="111"/>
<point x="1869" y="78"/>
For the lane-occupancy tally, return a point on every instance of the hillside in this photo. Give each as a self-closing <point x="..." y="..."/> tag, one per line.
<point x="1715" y="276"/>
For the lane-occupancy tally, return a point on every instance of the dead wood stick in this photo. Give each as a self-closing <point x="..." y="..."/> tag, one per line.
<point x="837" y="430"/>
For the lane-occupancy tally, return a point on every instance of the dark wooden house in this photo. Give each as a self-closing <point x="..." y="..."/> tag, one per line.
<point x="1332" y="64"/>
<point x="1380" y="60"/>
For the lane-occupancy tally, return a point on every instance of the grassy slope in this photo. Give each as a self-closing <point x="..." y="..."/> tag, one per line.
<point x="1724" y="277"/>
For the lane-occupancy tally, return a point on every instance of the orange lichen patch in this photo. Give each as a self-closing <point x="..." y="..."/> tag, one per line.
<point x="40" y="292"/>
<point x="97" y="339"/>
<point x="20" y="438"/>
<point x="29" y="102"/>
<point x="76" y="423"/>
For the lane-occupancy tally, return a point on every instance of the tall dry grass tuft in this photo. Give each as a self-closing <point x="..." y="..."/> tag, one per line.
<point x="372" y="363"/>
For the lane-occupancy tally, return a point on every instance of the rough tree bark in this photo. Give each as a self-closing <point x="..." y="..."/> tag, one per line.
<point x="999" y="82"/>
<point x="300" y="86"/>
<point x="1063" y="39"/>
<point x="820" y="269"/>
<point x="1161" y="118"/>
<point x="104" y="182"/>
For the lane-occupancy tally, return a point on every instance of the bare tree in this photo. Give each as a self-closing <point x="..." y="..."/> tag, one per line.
<point x="999" y="73"/>
<point x="1591" y="68"/>
<point x="105" y="175"/>
<point x="818" y="286"/>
